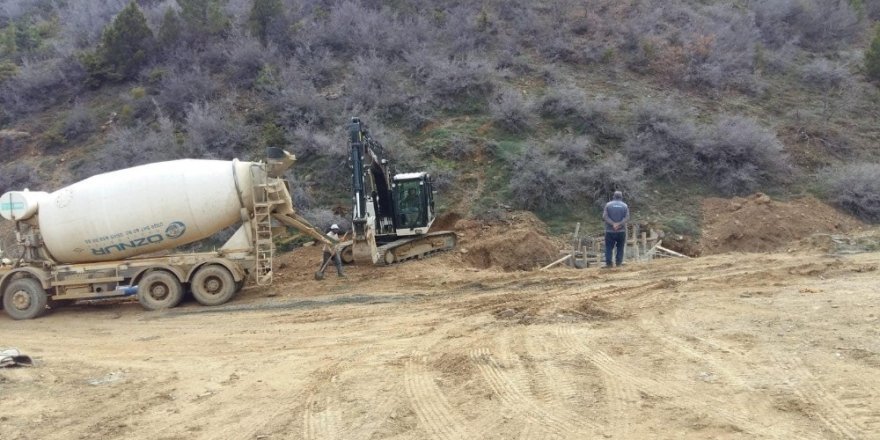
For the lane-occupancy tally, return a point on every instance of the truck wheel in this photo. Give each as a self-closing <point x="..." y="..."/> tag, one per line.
<point x="159" y="290"/>
<point x="25" y="298"/>
<point x="213" y="285"/>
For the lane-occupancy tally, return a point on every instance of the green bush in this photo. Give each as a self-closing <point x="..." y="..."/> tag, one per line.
<point x="170" y="31"/>
<point x="7" y="71"/>
<point x="683" y="225"/>
<point x="272" y="135"/>
<point x="266" y="16"/>
<point x="54" y="139"/>
<point x="203" y="19"/>
<point x="872" y="57"/>
<point x="569" y="107"/>
<point x="126" y="45"/>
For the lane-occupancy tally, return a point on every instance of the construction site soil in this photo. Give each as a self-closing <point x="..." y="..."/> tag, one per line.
<point x="475" y="344"/>
<point x="759" y="224"/>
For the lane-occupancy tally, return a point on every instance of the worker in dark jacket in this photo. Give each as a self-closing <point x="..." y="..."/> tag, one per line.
<point x="616" y="215"/>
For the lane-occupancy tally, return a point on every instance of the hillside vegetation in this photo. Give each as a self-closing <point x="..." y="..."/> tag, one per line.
<point x="547" y="106"/>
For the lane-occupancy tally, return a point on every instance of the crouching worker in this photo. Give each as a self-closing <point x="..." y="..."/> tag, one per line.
<point x="332" y="251"/>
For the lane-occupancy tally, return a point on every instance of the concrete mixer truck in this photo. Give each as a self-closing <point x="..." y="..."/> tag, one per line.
<point x="94" y="238"/>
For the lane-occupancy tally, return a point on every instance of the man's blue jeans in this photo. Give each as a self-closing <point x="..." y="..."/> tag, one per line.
<point x="612" y="240"/>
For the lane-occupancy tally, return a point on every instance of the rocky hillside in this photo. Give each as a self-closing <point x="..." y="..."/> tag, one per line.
<point x="546" y="106"/>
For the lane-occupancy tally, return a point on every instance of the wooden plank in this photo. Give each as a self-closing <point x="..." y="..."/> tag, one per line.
<point x="670" y="252"/>
<point x="556" y="262"/>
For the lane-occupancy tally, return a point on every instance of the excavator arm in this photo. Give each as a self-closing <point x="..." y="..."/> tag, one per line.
<point x="367" y="165"/>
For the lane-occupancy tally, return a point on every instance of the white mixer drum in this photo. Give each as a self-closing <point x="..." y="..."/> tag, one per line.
<point x="144" y="209"/>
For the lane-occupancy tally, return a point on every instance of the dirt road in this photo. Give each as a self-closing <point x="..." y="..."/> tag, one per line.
<point x="737" y="346"/>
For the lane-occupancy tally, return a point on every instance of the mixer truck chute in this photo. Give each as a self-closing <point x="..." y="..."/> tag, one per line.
<point x="392" y="213"/>
<point x="87" y="240"/>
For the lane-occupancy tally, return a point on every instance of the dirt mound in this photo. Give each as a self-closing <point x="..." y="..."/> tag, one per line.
<point x="446" y="221"/>
<point x="758" y="224"/>
<point x="519" y="242"/>
<point x="518" y="250"/>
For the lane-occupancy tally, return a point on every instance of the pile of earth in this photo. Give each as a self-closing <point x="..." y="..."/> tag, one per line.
<point x="758" y="224"/>
<point x="519" y="241"/>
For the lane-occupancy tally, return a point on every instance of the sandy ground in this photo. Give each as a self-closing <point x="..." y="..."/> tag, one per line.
<point x="467" y="345"/>
<point x="735" y="346"/>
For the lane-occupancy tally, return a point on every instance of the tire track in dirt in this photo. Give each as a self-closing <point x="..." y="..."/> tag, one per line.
<point x="646" y="382"/>
<point x="323" y="424"/>
<point x="200" y="407"/>
<point x="289" y="404"/>
<point x="328" y="423"/>
<point x="623" y="401"/>
<point x="673" y="342"/>
<point x="831" y="412"/>
<point x="279" y="421"/>
<point x="563" y="424"/>
<point x="731" y="376"/>
<point x="432" y="408"/>
<point x="863" y="405"/>
<point x="634" y="297"/>
<point x="530" y="431"/>
<point x="549" y="383"/>
<point x="382" y="409"/>
<point x="622" y="396"/>
<point x="711" y="346"/>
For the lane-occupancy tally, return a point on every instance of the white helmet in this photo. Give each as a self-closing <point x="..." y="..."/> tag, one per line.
<point x="334" y="226"/>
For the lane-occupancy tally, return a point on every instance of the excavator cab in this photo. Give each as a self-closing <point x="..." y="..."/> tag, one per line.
<point x="413" y="199"/>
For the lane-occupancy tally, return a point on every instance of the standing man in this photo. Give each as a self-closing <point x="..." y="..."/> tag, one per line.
<point x="616" y="214"/>
<point x="333" y="251"/>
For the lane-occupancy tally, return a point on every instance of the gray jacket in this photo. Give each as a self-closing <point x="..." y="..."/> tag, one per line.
<point x="616" y="211"/>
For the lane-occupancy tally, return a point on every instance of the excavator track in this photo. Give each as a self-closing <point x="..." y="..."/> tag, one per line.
<point x="416" y="247"/>
<point x="407" y="248"/>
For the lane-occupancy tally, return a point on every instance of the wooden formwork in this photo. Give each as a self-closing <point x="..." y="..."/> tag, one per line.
<point x="641" y="245"/>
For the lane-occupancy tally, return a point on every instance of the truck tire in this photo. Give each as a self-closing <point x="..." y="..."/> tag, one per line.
<point x="25" y="298"/>
<point x="159" y="290"/>
<point x="213" y="285"/>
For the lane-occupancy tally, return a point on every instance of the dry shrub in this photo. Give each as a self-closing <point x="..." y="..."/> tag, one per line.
<point x="736" y="155"/>
<point x="855" y="188"/>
